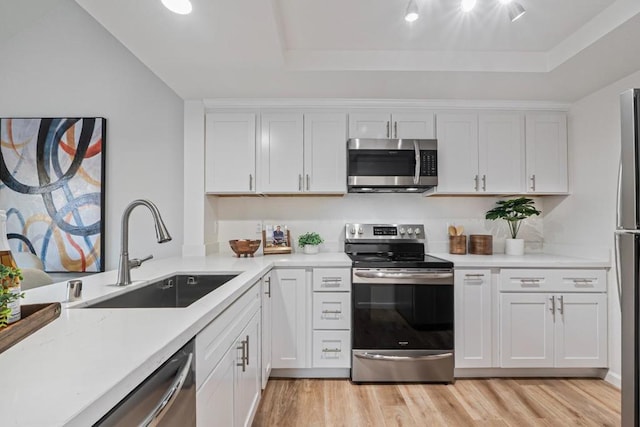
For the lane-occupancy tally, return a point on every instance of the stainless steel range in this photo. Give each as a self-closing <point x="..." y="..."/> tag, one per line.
<point x="402" y="304"/>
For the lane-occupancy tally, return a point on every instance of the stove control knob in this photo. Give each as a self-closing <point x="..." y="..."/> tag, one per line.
<point x="417" y="231"/>
<point x="352" y="230"/>
<point x="410" y="231"/>
<point x="401" y="231"/>
<point x="360" y="230"/>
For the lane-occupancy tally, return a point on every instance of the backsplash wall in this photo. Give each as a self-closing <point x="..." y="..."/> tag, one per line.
<point x="244" y="217"/>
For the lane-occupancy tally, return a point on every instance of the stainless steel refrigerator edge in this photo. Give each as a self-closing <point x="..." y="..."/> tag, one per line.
<point x="627" y="252"/>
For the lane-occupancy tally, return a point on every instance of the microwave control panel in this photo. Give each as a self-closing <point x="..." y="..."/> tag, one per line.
<point x="429" y="163"/>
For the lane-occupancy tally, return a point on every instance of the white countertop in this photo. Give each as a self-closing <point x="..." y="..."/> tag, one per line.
<point x="72" y="371"/>
<point x="525" y="261"/>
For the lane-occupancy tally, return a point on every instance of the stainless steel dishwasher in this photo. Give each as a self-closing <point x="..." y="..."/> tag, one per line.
<point x="166" y="398"/>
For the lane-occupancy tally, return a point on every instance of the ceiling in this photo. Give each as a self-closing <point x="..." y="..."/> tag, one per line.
<point x="560" y="50"/>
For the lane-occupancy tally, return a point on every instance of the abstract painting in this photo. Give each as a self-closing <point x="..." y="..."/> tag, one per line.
<point x="52" y="187"/>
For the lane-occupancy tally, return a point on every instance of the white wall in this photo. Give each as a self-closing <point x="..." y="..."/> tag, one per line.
<point x="66" y="64"/>
<point x="243" y="217"/>
<point x="587" y="217"/>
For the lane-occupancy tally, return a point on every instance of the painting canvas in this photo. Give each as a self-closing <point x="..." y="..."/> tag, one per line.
<point x="52" y="187"/>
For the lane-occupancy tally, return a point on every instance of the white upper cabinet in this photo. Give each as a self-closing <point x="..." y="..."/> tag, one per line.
<point x="501" y="153"/>
<point x="281" y="151"/>
<point x="325" y="153"/>
<point x="392" y="125"/>
<point x="230" y="148"/>
<point x="546" y="153"/>
<point x="480" y="153"/>
<point x="457" y="153"/>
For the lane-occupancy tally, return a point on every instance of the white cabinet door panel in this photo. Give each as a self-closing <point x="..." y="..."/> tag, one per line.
<point x="281" y="153"/>
<point x="413" y="125"/>
<point x="230" y="147"/>
<point x="581" y="330"/>
<point x="526" y="330"/>
<point x="290" y="327"/>
<point x="473" y="319"/>
<point x="457" y="153"/>
<point x="501" y="152"/>
<point x="325" y="153"/>
<point x="247" y="386"/>
<point x="266" y="337"/>
<point x="546" y="153"/>
<point x="214" y="400"/>
<point x="369" y="125"/>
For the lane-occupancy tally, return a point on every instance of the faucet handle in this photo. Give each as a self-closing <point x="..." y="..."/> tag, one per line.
<point x="135" y="263"/>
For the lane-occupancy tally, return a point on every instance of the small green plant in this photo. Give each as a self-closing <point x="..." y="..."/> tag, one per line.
<point x="8" y="278"/>
<point x="309" y="239"/>
<point x="513" y="211"/>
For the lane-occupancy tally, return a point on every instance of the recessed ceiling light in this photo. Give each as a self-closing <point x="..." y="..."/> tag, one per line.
<point x="412" y="11"/>
<point x="181" y="7"/>
<point x="467" y="5"/>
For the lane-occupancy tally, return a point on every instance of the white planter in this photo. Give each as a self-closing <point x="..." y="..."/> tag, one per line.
<point x="514" y="246"/>
<point x="311" y="249"/>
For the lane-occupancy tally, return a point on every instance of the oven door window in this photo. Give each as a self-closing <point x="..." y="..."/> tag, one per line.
<point x="402" y="316"/>
<point x="382" y="163"/>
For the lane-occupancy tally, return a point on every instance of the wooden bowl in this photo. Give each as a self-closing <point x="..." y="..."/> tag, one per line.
<point x="244" y="247"/>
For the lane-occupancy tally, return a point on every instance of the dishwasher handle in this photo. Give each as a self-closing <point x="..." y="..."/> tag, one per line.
<point x="169" y="396"/>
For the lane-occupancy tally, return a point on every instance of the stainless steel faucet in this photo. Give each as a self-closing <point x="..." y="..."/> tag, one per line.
<point x="125" y="265"/>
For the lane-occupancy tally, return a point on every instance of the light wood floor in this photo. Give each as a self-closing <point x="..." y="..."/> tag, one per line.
<point x="467" y="402"/>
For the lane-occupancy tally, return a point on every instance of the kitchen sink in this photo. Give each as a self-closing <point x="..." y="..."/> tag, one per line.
<point x="180" y="290"/>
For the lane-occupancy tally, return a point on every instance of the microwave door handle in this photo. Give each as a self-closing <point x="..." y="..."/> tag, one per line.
<point x="416" y="176"/>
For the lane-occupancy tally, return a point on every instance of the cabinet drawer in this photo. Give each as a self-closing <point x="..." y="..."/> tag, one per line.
<point x="331" y="349"/>
<point x="527" y="280"/>
<point x="582" y="280"/>
<point x="216" y="338"/>
<point x="331" y="310"/>
<point x="331" y="279"/>
<point x="553" y="280"/>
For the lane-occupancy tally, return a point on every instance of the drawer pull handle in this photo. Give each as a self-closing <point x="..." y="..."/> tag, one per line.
<point x="582" y="281"/>
<point x="331" y="350"/>
<point x="331" y="312"/>
<point x="473" y="275"/>
<point x="331" y="279"/>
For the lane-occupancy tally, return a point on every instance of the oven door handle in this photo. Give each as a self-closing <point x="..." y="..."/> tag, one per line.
<point x="383" y="275"/>
<point x="372" y="356"/>
<point x="416" y="176"/>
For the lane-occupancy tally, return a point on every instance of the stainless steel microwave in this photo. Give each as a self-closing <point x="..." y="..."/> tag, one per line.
<point x="391" y="165"/>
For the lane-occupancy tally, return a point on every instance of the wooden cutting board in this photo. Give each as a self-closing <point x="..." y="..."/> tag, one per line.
<point x="34" y="317"/>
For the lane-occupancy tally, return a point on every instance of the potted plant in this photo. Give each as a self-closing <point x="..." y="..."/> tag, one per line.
<point x="310" y="242"/>
<point x="10" y="278"/>
<point x="513" y="211"/>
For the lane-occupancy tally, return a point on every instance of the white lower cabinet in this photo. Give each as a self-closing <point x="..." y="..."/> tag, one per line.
<point x="290" y="327"/>
<point x="331" y="318"/>
<point x="247" y="385"/>
<point x="473" y="319"/>
<point x="567" y="330"/>
<point x="228" y="364"/>
<point x="267" y="315"/>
